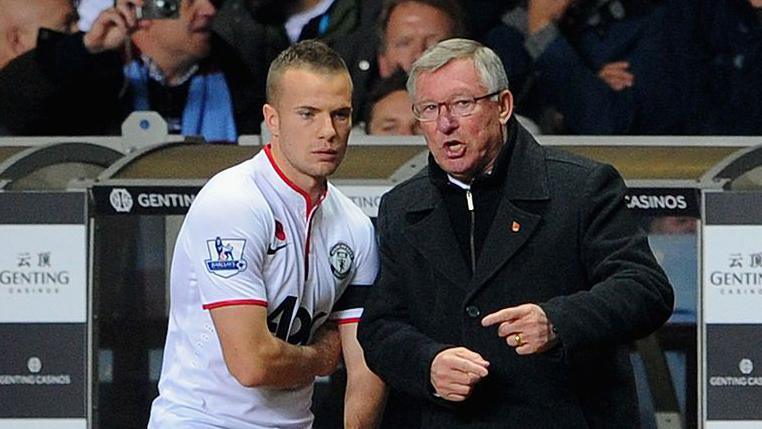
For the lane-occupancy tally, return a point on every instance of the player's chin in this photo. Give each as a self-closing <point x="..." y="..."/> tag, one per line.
<point x="325" y="168"/>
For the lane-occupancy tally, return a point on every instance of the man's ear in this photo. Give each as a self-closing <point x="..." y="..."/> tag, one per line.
<point x="506" y="106"/>
<point x="14" y="42"/>
<point x="272" y="121"/>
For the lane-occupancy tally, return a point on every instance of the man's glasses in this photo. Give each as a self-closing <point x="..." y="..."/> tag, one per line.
<point x="459" y="107"/>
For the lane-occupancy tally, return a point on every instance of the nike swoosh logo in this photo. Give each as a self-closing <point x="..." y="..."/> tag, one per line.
<point x="271" y="251"/>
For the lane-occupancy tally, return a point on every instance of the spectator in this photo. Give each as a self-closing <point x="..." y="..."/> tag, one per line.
<point x="726" y="64"/>
<point x="20" y="22"/>
<point x="404" y="29"/>
<point x="42" y="71"/>
<point x="408" y="28"/>
<point x="176" y="68"/>
<point x="602" y="65"/>
<point x="261" y="29"/>
<point x="389" y="110"/>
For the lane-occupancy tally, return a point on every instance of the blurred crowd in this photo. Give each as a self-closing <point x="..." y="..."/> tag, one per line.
<point x="586" y="67"/>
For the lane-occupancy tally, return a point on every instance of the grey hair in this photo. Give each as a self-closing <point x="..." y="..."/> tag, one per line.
<point x="488" y="65"/>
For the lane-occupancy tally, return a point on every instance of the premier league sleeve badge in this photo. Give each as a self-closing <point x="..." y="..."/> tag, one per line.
<point x="226" y="256"/>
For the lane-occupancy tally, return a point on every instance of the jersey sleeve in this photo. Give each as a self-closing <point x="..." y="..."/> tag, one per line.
<point x="349" y="307"/>
<point x="225" y="240"/>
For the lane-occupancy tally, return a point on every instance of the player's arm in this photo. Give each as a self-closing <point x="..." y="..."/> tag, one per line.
<point x="365" y="393"/>
<point x="256" y="358"/>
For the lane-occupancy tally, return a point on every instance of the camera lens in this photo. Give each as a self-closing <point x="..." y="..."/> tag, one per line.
<point x="165" y="6"/>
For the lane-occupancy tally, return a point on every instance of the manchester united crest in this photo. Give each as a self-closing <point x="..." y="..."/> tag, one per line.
<point x="341" y="257"/>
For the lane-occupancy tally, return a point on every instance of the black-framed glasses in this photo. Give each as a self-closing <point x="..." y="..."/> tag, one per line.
<point x="459" y="107"/>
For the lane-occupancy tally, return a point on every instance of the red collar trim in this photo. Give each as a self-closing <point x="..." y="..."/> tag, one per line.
<point x="292" y="185"/>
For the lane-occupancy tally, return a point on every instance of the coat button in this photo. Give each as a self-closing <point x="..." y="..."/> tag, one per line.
<point x="473" y="311"/>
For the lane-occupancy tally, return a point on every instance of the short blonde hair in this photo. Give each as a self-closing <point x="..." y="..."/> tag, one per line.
<point x="307" y="54"/>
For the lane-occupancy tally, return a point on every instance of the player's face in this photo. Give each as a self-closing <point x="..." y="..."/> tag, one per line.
<point x="310" y="123"/>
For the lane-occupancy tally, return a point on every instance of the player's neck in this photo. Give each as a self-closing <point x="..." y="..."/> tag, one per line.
<point x="314" y="186"/>
<point x="315" y="189"/>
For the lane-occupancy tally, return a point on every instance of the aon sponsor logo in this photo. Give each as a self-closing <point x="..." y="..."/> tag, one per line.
<point x="282" y="321"/>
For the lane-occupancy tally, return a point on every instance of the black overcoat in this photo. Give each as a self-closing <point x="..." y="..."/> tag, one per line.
<point x="561" y="238"/>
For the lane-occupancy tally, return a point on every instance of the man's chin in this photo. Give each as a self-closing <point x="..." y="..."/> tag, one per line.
<point x="202" y="51"/>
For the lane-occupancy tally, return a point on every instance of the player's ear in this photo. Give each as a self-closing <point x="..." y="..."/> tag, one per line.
<point x="272" y="121"/>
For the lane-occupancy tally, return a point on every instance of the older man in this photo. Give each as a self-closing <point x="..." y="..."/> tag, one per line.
<point x="512" y="275"/>
<point x="79" y="84"/>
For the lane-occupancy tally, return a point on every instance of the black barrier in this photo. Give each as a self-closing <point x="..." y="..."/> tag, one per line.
<point x="132" y="277"/>
<point x="731" y="316"/>
<point x="44" y="313"/>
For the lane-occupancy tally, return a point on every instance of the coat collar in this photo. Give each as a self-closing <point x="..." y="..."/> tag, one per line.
<point x="525" y="179"/>
<point x="521" y="161"/>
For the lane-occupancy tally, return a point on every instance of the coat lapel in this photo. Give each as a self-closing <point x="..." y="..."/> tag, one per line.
<point x="434" y="238"/>
<point x="509" y="231"/>
<point x="526" y="180"/>
<point x="431" y="231"/>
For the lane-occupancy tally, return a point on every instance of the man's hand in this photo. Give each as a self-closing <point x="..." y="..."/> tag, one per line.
<point x="455" y="372"/>
<point x="525" y="327"/>
<point x="540" y="13"/>
<point x="113" y="27"/>
<point x="616" y="75"/>
<point x="327" y="345"/>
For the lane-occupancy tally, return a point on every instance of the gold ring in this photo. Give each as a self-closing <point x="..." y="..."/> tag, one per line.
<point x="517" y="338"/>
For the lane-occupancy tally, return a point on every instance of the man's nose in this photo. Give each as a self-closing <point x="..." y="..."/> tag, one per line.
<point x="446" y="122"/>
<point x="327" y="128"/>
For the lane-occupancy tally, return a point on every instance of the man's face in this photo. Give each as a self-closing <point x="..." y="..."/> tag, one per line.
<point x="310" y="122"/>
<point x="411" y="29"/>
<point x="463" y="146"/>
<point x="757" y="4"/>
<point x="187" y="36"/>
<point x="392" y="116"/>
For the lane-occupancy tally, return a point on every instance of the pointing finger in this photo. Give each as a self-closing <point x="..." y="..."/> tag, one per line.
<point x="505" y="315"/>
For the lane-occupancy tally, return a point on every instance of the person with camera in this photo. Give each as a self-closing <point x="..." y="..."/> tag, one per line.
<point x="138" y="55"/>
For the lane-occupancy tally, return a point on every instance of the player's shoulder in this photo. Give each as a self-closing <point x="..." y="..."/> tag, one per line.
<point x="345" y="211"/>
<point x="232" y="195"/>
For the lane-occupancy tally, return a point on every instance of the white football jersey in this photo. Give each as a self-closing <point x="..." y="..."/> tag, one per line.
<point x="251" y="237"/>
